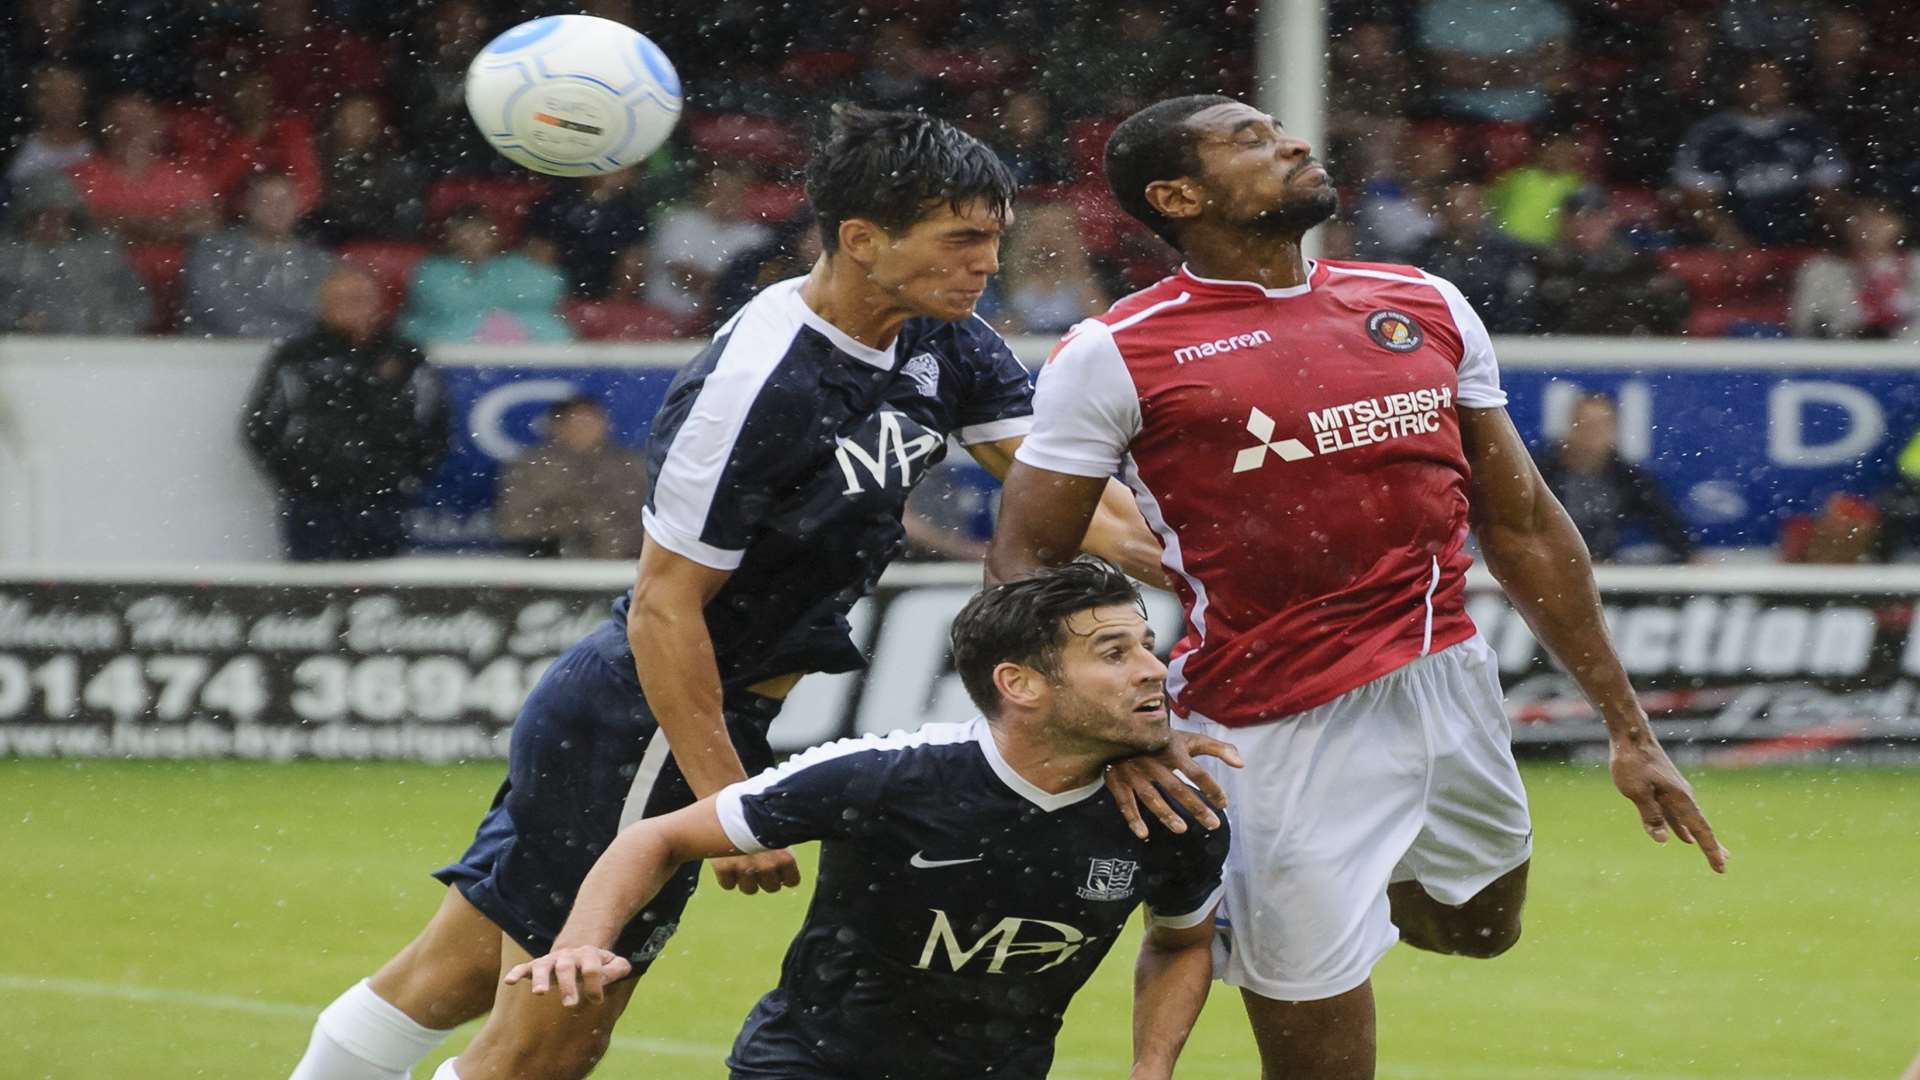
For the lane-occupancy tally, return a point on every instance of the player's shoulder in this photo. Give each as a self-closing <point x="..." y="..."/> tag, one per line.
<point x="929" y="745"/>
<point x="1137" y="309"/>
<point x="969" y="342"/>
<point x="1398" y="283"/>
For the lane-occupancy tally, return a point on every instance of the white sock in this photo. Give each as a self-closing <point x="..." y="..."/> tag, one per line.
<point x="445" y="1071"/>
<point x="361" y="1036"/>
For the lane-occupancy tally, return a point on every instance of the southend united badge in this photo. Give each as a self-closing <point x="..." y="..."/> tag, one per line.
<point x="1394" y="330"/>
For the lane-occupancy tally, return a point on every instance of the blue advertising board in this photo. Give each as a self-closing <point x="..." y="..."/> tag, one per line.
<point x="1737" y="445"/>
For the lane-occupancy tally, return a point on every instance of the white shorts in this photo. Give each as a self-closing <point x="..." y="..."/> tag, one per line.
<point x="1408" y="778"/>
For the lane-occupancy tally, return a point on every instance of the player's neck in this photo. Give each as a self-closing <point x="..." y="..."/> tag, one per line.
<point x="1047" y="766"/>
<point x="1271" y="261"/>
<point x="838" y="291"/>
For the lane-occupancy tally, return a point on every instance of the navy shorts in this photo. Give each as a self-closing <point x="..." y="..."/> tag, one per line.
<point x="587" y="758"/>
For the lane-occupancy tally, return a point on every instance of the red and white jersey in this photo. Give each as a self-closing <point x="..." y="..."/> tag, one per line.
<point x="1298" y="452"/>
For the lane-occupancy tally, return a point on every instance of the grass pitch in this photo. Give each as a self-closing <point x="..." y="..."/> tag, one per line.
<point x="176" y="920"/>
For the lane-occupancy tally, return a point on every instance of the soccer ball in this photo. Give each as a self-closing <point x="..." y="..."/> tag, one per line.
<point x="573" y="95"/>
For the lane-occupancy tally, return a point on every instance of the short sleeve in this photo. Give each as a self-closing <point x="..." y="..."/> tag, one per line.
<point x="812" y="796"/>
<point x="1086" y="409"/>
<point x="999" y="399"/>
<point x="1184" y="887"/>
<point x="1478" y="379"/>
<point x="721" y="450"/>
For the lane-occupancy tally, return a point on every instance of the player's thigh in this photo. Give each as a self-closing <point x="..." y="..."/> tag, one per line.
<point x="1325" y="806"/>
<point x="533" y="1035"/>
<point x="445" y="976"/>
<point x="1478" y="830"/>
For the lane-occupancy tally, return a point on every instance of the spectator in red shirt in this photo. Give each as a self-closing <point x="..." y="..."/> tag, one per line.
<point x="133" y="186"/>
<point x="250" y="135"/>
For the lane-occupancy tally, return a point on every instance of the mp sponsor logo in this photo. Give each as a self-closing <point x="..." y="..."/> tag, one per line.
<point x="1031" y="945"/>
<point x="1200" y="350"/>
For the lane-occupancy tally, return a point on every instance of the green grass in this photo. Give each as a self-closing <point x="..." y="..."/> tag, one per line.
<point x="185" y="920"/>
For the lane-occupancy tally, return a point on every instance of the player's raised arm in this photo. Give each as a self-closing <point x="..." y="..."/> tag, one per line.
<point x="1113" y="529"/>
<point x="633" y="869"/>
<point x="1534" y="551"/>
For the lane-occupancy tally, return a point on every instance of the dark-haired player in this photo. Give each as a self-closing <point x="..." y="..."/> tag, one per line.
<point x="1314" y="441"/>
<point x="779" y="463"/>
<point x="972" y="876"/>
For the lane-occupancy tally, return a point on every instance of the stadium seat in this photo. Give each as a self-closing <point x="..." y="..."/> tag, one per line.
<point x="1103" y="225"/>
<point x="390" y="262"/>
<point x="1506" y="146"/>
<point x="740" y="137"/>
<point x="507" y="200"/>
<point x="774" y="203"/>
<point x="819" y="68"/>
<point x="159" y="267"/>
<point x="620" y="320"/>
<point x="1087" y="142"/>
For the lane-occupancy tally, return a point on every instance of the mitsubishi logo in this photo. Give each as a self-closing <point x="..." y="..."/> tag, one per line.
<point x="1260" y="426"/>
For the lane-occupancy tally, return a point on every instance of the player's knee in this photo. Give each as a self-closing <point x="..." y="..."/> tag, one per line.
<point x="1487" y="942"/>
<point x="567" y="1055"/>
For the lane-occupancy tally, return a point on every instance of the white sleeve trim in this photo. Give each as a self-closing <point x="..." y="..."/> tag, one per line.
<point x="678" y="541"/>
<point x="1190" y="919"/>
<point x="1086" y="408"/>
<point x="696" y="458"/>
<point x="1478" y="378"/>
<point x="1011" y="427"/>
<point x="734" y="819"/>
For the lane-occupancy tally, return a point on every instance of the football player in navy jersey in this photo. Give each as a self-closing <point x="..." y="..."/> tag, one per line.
<point x="972" y="876"/>
<point x="780" y="462"/>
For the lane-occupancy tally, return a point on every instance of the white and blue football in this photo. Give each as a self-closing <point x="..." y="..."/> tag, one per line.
<point x="573" y="95"/>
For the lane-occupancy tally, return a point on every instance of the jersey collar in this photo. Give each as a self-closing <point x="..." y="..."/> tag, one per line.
<point x="1045" y="800"/>
<point x="867" y="354"/>
<point x="1313" y="273"/>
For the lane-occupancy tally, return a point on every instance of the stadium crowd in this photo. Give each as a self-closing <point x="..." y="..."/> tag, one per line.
<point x="1700" y="167"/>
<point x="1709" y="167"/>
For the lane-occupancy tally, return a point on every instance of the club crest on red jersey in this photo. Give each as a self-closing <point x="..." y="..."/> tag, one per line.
<point x="1394" y="331"/>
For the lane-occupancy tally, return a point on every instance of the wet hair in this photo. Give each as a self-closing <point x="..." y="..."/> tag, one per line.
<point x="1151" y="145"/>
<point x="893" y="168"/>
<point x="1024" y="622"/>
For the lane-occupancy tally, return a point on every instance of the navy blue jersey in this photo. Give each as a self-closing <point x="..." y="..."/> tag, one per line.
<point x="958" y="907"/>
<point x="785" y="453"/>
<point x="1765" y="168"/>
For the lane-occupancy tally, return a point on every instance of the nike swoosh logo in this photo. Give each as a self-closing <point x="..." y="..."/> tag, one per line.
<point x="920" y="863"/>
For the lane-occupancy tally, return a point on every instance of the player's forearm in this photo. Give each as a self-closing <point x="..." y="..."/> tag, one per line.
<point x="1169" y="988"/>
<point x="631" y="872"/>
<point x="1547" y="573"/>
<point x="1119" y="534"/>
<point x="673" y="655"/>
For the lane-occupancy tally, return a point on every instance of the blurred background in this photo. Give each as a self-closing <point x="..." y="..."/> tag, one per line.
<point x="1685" y="221"/>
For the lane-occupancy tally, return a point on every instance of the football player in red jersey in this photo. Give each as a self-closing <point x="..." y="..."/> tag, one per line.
<point x="1314" y="441"/>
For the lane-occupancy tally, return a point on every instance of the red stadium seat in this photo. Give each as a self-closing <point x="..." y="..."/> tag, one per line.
<point x="390" y="262"/>
<point x="1506" y="146"/>
<point x="159" y="266"/>
<point x="818" y="68"/>
<point x="507" y="200"/>
<point x="1087" y="140"/>
<point x="740" y="137"/>
<point x="1103" y="225"/>
<point x="621" y="320"/>
<point x="774" y="203"/>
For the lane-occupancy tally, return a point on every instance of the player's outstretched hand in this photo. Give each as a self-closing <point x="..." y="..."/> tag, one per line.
<point x="1645" y="775"/>
<point x="766" y="871"/>
<point x="1147" y="780"/>
<point x="574" y="968"/>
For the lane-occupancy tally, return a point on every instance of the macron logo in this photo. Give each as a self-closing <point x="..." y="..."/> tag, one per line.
<point x="1224" y="345"/>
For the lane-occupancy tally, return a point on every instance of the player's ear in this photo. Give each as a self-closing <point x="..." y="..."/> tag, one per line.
<point x="1176" y="199"/>
<point x="862" y="240"/>
<point x="1019" y="684"/>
